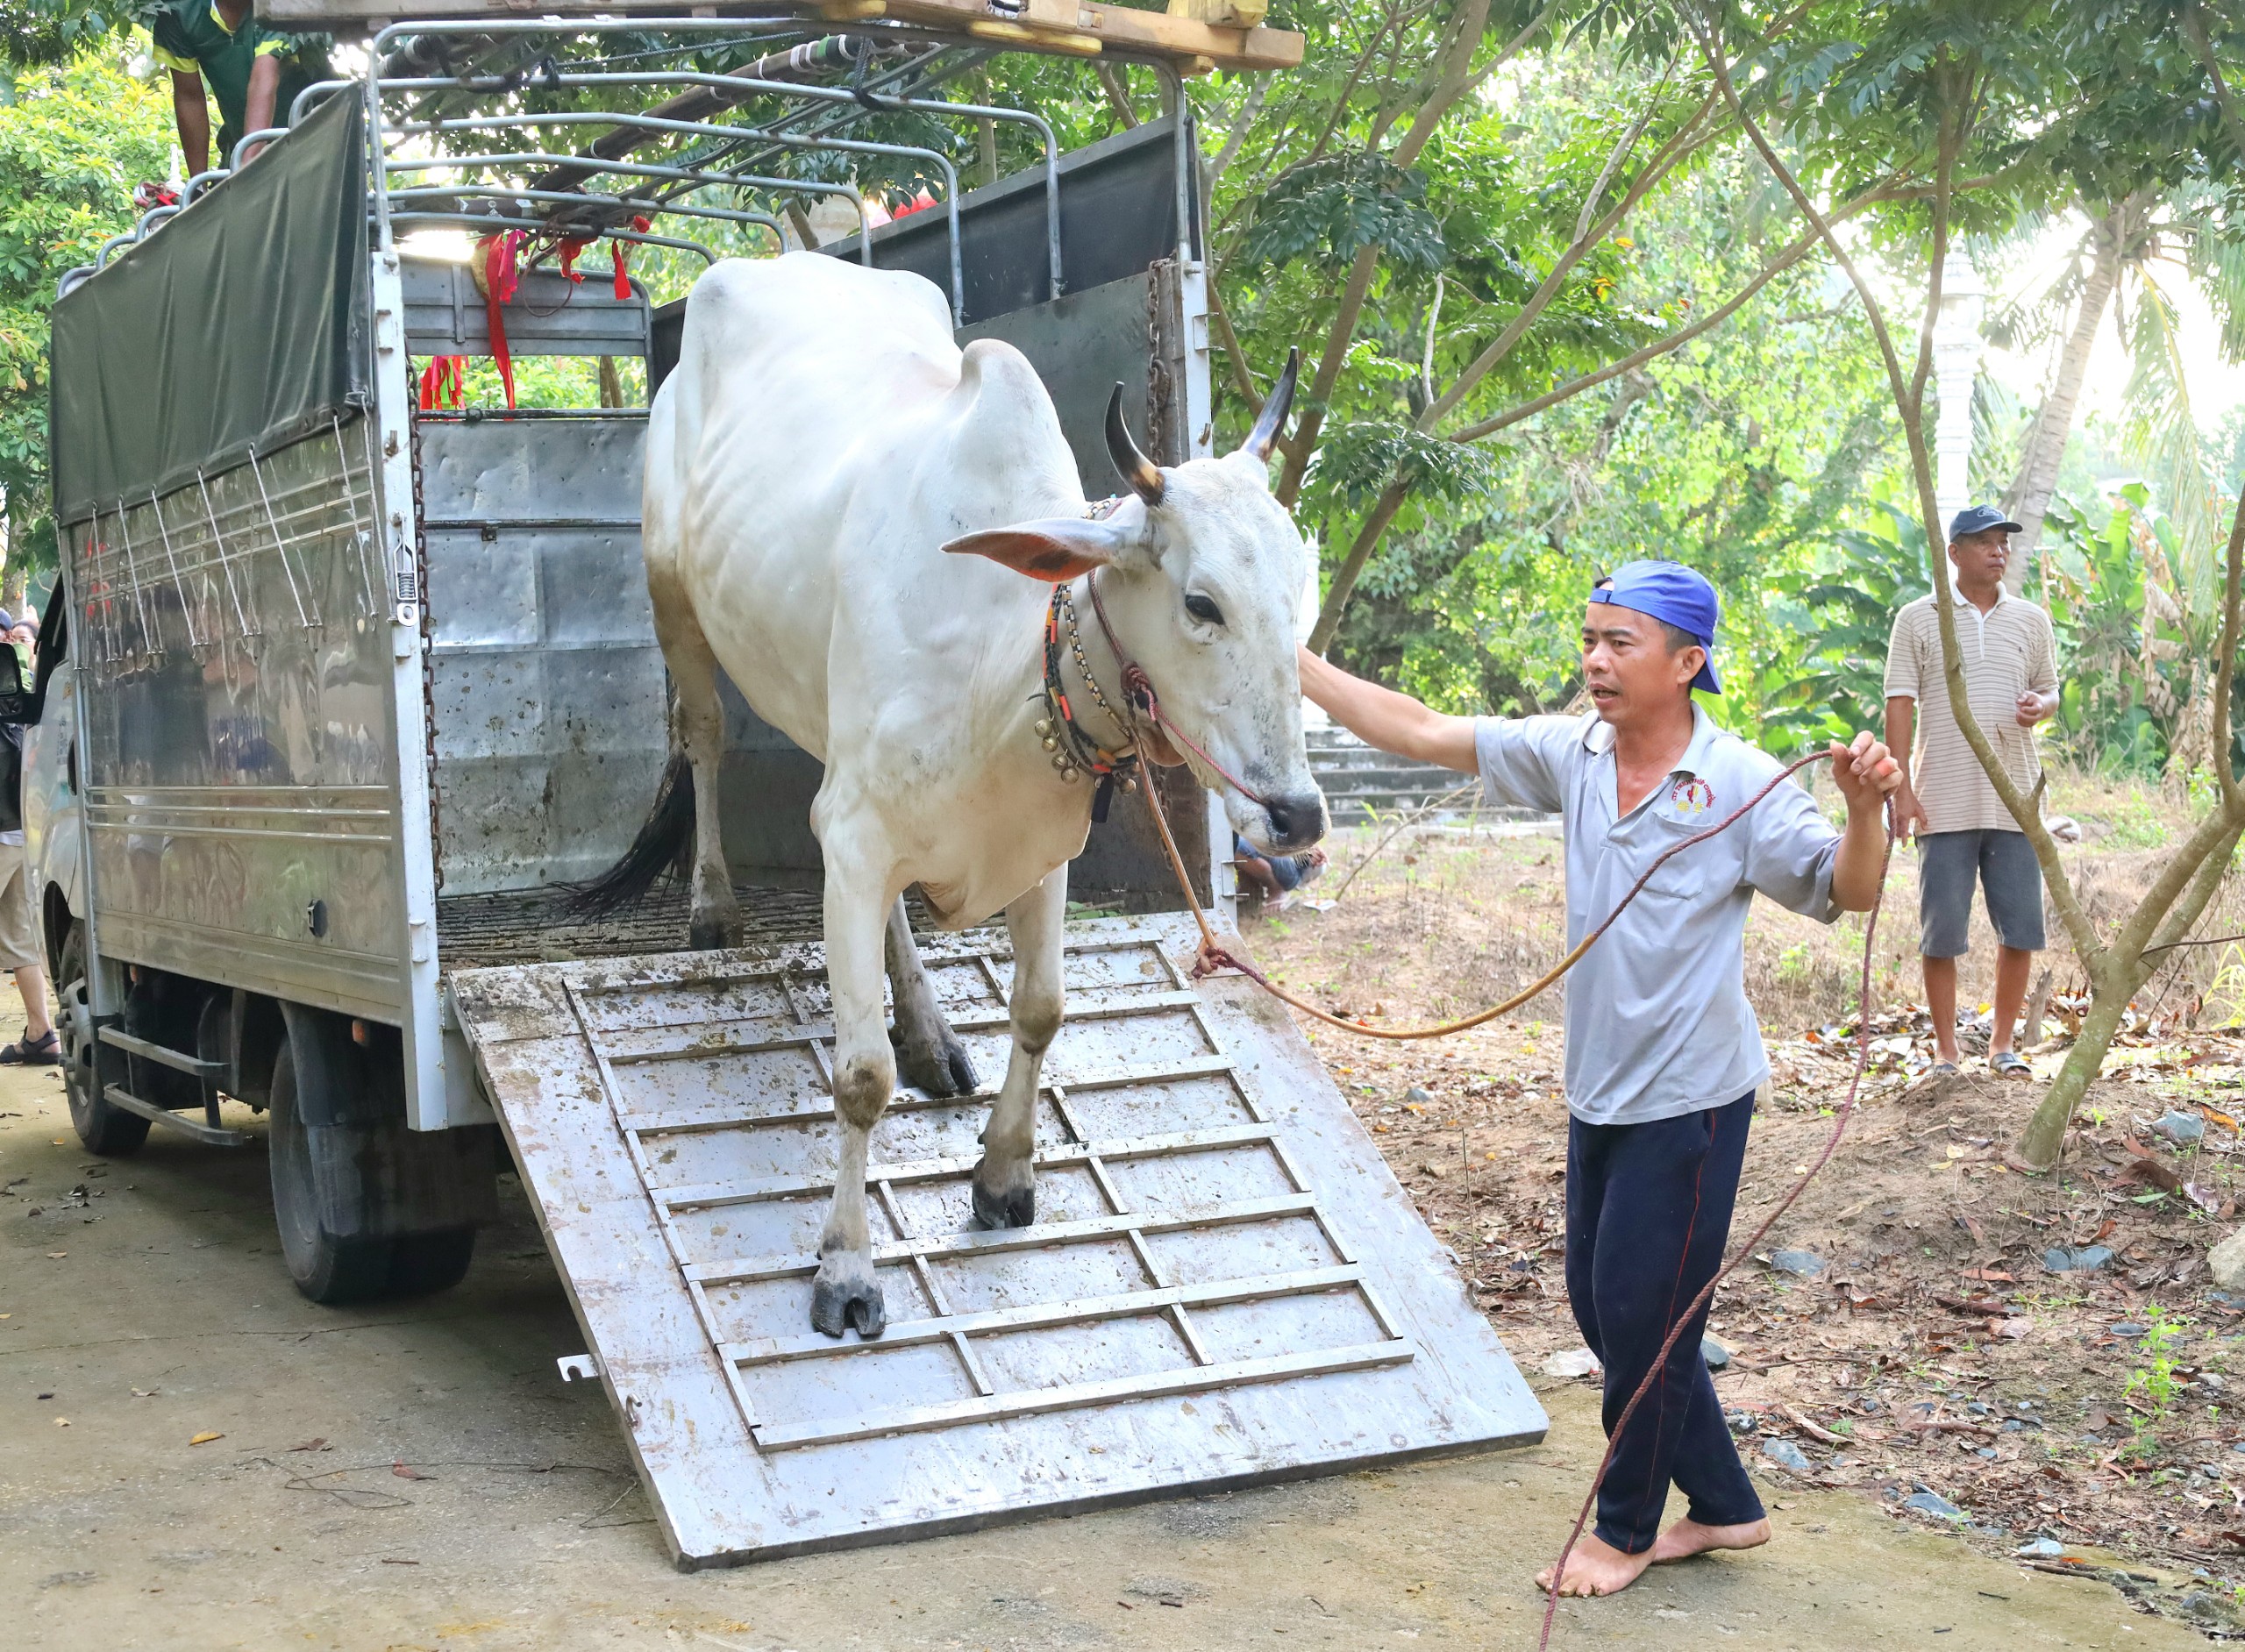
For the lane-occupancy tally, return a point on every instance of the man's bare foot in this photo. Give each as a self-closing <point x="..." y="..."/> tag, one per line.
<point x="1687" y="1538"/>
<point x="1597" y="1568"/>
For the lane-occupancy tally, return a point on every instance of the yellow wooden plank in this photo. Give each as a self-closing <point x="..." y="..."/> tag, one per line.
<point x="1193" y="43"/>
<point x="1122" y="28"/>
<point x="1223" y="14"/>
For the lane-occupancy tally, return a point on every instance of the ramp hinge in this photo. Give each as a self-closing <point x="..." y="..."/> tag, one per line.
<point x="579" y="1367"/>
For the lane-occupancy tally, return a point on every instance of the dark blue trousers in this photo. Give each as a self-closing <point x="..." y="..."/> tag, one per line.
<point x="1648" y="1214"/>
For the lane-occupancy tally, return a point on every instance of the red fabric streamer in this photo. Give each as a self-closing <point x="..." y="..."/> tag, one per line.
<point x="444" y="382"/>
<point x="616" y="252"/>
<point x="571" y="245"/>
<point x="497" y="254"/>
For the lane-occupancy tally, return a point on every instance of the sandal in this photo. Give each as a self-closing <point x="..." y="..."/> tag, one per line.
<point x="2003" y="1065"/>
<point x="28" y="1051"/>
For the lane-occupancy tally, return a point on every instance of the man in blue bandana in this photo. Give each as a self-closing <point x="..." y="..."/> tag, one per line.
<point x="1664" y="1055"/>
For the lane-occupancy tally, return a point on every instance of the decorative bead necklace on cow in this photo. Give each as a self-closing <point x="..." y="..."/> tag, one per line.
<point x="1073" y="750"/>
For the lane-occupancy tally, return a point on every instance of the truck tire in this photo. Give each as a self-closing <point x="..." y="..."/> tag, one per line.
<point x="87" y="1069"/>
<point x="367" y="1209"/>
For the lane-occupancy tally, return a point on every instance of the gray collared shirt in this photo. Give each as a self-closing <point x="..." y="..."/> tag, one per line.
<point x="1658" y="1022"/>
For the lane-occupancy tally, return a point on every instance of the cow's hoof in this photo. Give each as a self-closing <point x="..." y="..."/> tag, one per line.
<point x="845" y="1294"/>
<point x="938" y="1068"/>
<point x="1014" y="1209"/>
<point x="712" y="934"/>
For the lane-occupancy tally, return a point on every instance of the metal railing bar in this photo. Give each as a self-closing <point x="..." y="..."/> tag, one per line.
<point x="187" y="612"/>
<point x="826" y="94"/>
<point x="218" y="540"/>
<point x="278" y="544"/>
<point x="628" y="169"/>
<point x="495" y="220"/>
<point x="498" y="26"/>
<point x="262" y="135"/>
<point x="489" y="193"/>
<point x="652" y="123"/>
<point x="149" y="643"/>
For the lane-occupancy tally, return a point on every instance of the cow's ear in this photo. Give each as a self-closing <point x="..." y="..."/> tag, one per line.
<point x="1057" y="549"/>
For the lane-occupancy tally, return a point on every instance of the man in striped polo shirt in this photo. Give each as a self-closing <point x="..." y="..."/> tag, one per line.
<point x="1964" y="833"/>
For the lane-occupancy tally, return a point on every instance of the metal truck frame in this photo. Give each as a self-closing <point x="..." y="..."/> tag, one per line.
<point x="341" y="692"/>
<point x="225" y="876"/>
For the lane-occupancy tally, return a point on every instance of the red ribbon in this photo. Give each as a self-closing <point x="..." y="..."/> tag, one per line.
<point x="500" y="280"/>
<point x="616" y="252"/>
<point x="571" y="247"/>
<point x="444" y="382"/>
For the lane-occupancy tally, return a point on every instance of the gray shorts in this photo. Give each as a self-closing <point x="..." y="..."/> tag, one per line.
<point x="2003" y="863"/>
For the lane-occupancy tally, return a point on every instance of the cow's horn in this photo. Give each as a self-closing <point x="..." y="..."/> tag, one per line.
<point x="1265" y="436"/>
<point x="1143" y="475"/>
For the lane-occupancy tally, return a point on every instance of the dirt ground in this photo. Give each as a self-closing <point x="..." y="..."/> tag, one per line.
<point x="417" y="1476"/>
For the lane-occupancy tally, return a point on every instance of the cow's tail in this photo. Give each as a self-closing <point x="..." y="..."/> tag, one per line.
<point x="664" y="846"/>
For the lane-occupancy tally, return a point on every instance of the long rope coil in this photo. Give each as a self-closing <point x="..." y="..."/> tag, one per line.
<point x="1214" y="956"/>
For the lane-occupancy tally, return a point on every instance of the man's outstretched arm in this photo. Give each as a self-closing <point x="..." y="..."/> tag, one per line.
<point x="1383" y="718"/>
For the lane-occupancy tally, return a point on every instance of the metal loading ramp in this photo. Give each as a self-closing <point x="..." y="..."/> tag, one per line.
<point x="1224" y="1286"/>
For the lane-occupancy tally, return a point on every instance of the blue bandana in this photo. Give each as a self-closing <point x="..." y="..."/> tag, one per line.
<point x="1671" y="592"/>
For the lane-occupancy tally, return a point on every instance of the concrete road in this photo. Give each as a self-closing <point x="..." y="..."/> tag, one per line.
<point x="149" y="1307"/>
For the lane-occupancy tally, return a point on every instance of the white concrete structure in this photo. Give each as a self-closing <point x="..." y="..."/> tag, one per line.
<point x="1956" y="347"/>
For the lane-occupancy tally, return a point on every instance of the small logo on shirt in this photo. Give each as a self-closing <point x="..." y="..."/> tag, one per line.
<point x="1691" y="795"/>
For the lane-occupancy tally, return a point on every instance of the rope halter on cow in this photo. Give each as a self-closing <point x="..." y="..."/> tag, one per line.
<point x="1073" y="750"/>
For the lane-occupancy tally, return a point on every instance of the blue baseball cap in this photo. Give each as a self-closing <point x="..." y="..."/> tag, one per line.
<point x="1673" y="594"/>
<point x="1979" y="519"/>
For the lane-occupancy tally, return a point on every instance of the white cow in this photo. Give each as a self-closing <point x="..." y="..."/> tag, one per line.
<point x="821" y="446"/>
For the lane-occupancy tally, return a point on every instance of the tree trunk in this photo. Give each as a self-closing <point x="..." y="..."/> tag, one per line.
<point x="1344" y="577"/>
<point x="2045" y="1134"/>
<point x="2046" y="442"/>
<point x="13" y="564"/>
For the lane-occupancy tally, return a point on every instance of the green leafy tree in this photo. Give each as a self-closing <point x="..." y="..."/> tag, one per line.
<point x="2030" y="95"/>
<point x="74" y="138"/>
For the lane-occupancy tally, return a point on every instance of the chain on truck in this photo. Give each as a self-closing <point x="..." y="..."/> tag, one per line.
<point x="343" y="691"/>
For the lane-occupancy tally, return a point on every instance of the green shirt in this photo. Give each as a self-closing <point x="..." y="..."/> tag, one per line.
<point x="191" y="37"/>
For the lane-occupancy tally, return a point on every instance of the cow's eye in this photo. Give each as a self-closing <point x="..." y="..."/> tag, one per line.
<point x="1202" y="609"/>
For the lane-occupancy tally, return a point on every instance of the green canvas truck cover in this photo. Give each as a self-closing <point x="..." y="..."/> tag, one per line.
<point x="234" y="328"/>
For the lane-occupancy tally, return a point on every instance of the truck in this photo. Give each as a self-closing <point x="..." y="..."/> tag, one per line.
<point x="343" y="689"/>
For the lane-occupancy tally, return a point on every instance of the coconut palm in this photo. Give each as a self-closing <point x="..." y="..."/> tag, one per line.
<point x="2128" y="260"/>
